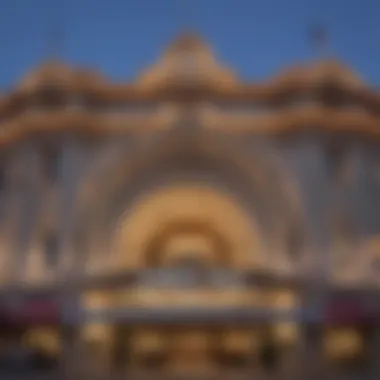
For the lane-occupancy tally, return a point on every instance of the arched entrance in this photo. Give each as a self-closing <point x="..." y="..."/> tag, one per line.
<point x="197" y="227"/>
<point x="259" y="183"/>
<point x="189" y="204"/>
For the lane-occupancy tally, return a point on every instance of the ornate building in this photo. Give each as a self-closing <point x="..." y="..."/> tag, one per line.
<point x="193" y="206"/>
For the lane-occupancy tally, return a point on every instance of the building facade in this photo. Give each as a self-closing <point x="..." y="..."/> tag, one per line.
<point x="192" y="191"/>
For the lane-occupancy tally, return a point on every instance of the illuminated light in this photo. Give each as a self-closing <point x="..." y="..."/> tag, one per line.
<point x="188" y="203"/>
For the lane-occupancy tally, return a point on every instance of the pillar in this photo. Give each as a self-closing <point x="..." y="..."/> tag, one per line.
<point x="313" y="366"/>
<point x="320" y="199"/>
<point x="121" y="350"/>
<point x="25" y="206"/>
<point x="71" y="262"/>
<point x="373" y="341"/>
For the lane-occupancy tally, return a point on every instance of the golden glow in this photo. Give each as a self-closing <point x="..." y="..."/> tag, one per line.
<point x="285" y="332"/>
<point x="150" y="297"/>
<point x="97" y="332"/>
<point x="194" y="202"/>
<point x="340" y="343"/>
<point x="147" y="340"/>
<point x="180" y="246"/>
<point x="44" y="338"/>
<point x="240" y="341"/>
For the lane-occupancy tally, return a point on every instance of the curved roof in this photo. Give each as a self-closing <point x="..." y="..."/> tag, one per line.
<point x="319" y="71"/>
<point x="189" y="69"/>
<point x="188" y="58"/>
<point x="60" y="74"/>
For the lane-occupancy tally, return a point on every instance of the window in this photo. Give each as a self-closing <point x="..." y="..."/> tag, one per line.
<point x="51" y="250"/>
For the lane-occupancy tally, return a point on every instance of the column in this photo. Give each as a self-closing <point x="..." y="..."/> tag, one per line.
<point x="121" y="355"/>
<point x="71" y="262"/>
<point x="373" y="341"/>
<point x="26" y="206"/>
<point x="362" y="199"/>
<point x="319" y="193"/>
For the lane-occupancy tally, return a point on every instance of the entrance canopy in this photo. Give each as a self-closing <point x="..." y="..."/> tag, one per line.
<point x="354" y="311"/>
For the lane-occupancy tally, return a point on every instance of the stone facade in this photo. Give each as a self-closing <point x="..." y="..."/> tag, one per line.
<point x="190" y="164"/>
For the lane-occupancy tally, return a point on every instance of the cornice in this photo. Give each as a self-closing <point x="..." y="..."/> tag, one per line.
<point x="206" y="81"/>
<point x="95" y="125"/>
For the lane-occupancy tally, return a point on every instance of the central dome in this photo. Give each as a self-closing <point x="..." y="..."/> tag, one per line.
<point x="188" y="59"/>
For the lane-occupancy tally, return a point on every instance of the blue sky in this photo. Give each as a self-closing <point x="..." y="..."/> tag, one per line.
<point x="119" y="37"/>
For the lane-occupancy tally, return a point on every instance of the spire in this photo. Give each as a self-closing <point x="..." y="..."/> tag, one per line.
<point x="55" y="40"/>
<point x="319" y="39"/>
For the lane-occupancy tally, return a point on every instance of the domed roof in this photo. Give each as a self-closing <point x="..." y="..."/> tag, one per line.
<point x="318" y="71"/>
<point x="188" y="57"/>
<point x="50" y="71"/>
<point x="59" y="74"/>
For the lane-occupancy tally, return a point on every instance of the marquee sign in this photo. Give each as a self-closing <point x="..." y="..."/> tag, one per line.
<point x="190" y="278"/>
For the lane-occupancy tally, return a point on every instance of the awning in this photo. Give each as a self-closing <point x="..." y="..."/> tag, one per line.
<point x="350" y="312"/>
<point x="36" y="312"/>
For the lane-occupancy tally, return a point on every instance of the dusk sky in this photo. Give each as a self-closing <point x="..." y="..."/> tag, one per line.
<point x="120" y="37"/>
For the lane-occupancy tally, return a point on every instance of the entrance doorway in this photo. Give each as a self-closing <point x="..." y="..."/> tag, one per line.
<point x="197" y="349"/>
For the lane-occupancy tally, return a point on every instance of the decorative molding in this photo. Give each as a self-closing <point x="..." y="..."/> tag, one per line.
<point x="189" y="70"/>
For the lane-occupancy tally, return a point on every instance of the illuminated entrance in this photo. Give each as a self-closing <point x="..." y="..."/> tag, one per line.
<point x="191" y="243"/>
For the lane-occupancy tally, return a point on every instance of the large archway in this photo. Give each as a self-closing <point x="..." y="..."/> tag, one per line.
<point x="256" y="179"/>
<point x="241" y="205"/>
